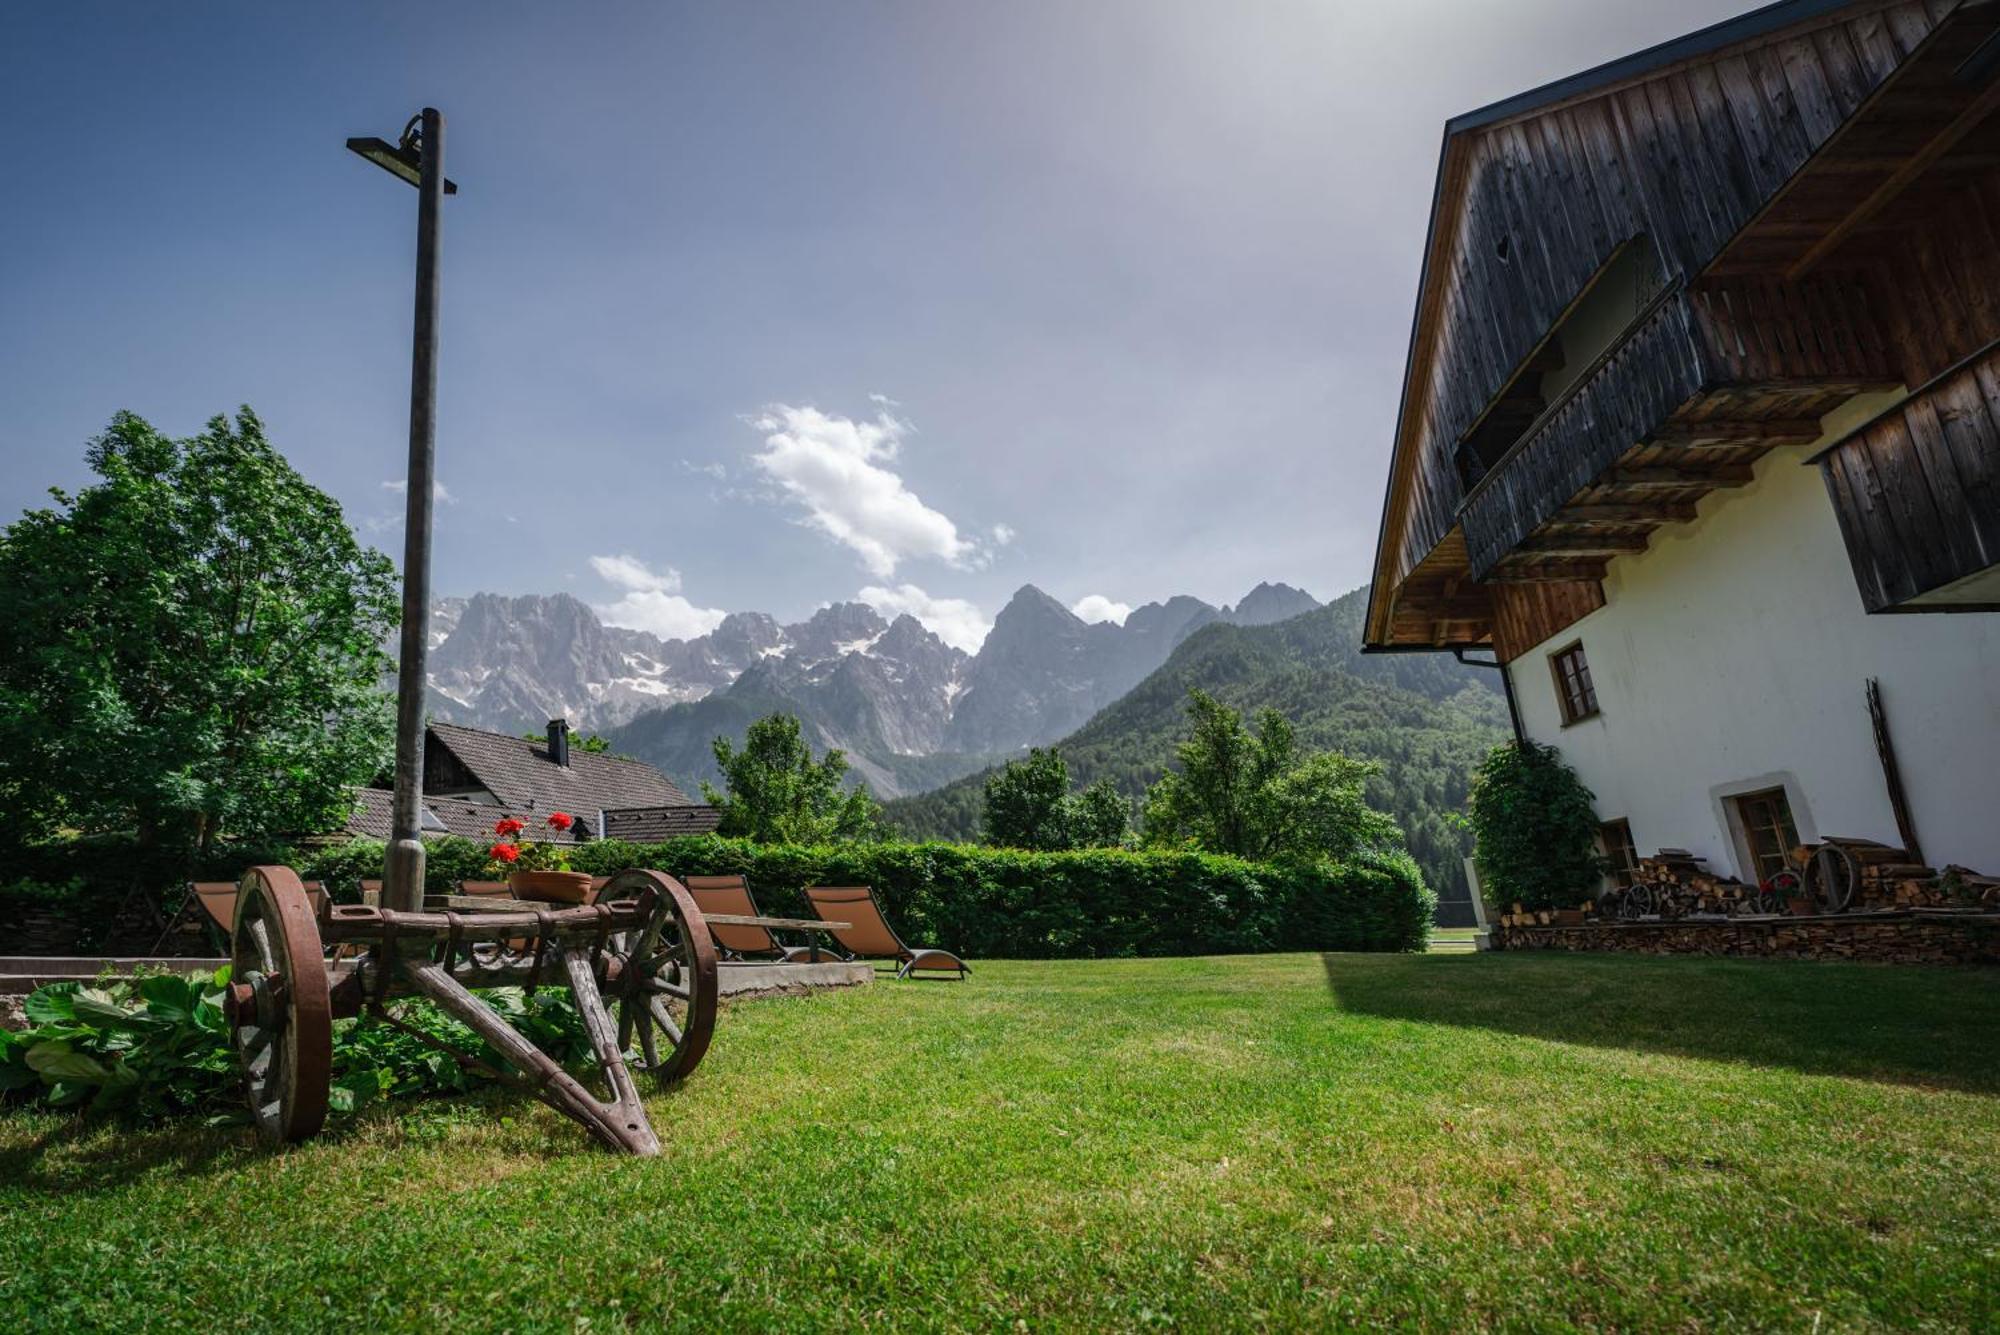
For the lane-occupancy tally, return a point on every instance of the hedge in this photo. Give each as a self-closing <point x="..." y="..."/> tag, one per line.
<point x="1009" y="903"/>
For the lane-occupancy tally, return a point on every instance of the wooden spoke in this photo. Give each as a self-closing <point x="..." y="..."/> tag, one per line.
<point x="668" y="968"/>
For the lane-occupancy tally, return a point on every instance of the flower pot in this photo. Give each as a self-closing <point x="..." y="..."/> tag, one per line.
<point x="551" y="887"/>
<point x="1798" y="908"/>
<point x="1569" y="917"/>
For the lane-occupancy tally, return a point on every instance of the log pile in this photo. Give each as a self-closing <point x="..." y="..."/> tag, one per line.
<point x="1889" y="880"/>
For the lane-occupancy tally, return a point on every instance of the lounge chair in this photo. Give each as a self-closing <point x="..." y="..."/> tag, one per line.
<point x="731" y="894"/>
<point x="871" y="936"/>
<point x="209" y="909"/>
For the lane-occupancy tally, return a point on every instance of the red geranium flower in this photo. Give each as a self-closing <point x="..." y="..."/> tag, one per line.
<point x="561" y="820"/>
<point x="509" y="826"/>
<point x="503" y="852"/>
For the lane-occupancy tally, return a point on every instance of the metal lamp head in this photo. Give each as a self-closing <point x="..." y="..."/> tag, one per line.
<point x="404" y="160"/>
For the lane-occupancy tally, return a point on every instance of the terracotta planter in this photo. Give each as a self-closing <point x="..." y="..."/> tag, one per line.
<point x="1798" y="908"/>
<point x="1569" y="917"/>
<point x="551" y="887"/>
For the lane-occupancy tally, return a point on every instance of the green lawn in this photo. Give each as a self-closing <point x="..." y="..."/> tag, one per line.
<point x="1436" y="1140"/>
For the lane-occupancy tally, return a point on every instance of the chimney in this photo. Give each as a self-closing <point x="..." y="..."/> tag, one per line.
<point x="559" y="741"/>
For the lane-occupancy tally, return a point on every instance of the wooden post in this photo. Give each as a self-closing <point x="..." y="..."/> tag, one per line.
<point x="1899" y="801"/>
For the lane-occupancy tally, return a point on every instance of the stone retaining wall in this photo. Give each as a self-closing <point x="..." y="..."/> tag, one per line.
<point x="1885" y="938"/>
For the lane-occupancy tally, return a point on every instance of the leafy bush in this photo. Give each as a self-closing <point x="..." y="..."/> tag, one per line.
<point x="1083" y="903"/>
<point x="159" y="1046"/>
<point x="1020" y="904"/>
<point x="1536" y="830"/>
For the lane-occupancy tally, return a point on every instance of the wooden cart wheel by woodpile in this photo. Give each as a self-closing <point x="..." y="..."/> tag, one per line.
<point x="1636" y="902"/>
<point x="278" y="1007"/>
<point x="1831" y="878"/>
<point x="665" y="990"/>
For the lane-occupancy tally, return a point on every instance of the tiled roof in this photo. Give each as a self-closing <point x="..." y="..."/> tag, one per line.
<point x="650" y="825"/>
<point x="519" y="772"/>
<point x="372" y="818"/>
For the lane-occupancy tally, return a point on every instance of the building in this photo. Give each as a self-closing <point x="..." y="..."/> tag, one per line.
<point x="472" y="779"/>
<point x="1700" y="431"/>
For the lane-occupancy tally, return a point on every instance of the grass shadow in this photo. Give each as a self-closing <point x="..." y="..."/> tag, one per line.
<point x="1908" y="1025"/>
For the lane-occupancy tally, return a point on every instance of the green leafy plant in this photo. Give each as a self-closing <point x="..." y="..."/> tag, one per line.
<point x="777" y="792"/>
<point x="1536" y="830"/>
<point x="191" y="646"/>
<point x="158" y="1046"/>
<point x="1256" y="795"/>
<point x="1028" y="804"/>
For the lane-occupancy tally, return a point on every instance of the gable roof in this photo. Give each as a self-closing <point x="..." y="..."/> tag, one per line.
<point x="1398" y="549"/>
<point x="520" y="773"/>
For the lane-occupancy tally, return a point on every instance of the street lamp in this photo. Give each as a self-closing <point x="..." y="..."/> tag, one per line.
<point x="417" y="157"/>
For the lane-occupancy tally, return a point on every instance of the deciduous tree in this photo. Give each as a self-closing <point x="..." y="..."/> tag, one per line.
<point x="1256" y="796"/>
<point x="191" y="645"/>
<point x="777" y="793"/>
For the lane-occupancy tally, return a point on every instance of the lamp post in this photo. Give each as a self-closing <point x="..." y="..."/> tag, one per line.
<point x="418" y="157"/>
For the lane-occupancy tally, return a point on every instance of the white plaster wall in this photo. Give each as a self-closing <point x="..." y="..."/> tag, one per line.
<point x="1732" y="655"/>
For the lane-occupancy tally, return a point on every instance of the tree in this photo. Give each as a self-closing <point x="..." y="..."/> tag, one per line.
<point x="778" y="794"/>
<point x="192" y="645"/>
<point x="1256" y="796"/>
<point x="1029" y="805"/>
<point x="1537" y="833"/>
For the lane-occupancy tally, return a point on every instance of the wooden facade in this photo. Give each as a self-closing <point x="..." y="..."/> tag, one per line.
<point x="1817" y="190"/>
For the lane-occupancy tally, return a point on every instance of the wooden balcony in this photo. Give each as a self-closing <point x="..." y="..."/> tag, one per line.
<point x="1706" y="381"/>
<point x="1917" y="494"/>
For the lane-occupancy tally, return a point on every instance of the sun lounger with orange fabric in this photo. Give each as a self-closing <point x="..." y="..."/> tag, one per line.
<point x="871" y="937"/>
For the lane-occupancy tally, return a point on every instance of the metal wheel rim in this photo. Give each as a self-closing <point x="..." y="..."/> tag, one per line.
<point x="284" y="1049"/>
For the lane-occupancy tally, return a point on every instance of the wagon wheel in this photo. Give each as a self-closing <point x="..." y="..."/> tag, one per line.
<point x="280" y="1015"/>
<point x="1831" y="877"/>
<point x="1637" y="902"/>
<point x="666" y="989"/>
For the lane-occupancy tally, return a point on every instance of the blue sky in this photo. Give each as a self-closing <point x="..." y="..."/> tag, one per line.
<point x="758" y="306"/>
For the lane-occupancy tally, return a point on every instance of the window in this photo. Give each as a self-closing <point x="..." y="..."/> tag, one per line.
<point x="1574" y="692"/>
<point x="1616" y="836"/>
<point x="1769" y="831"/>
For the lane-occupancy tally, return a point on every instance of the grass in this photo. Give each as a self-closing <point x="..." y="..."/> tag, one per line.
<point x="1436" y="1141"/>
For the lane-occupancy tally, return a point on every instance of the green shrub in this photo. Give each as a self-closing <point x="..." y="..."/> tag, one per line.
<point x="159" y="1046"/>
<point x="1536" y="830"/>
<point x="999" y="902"/>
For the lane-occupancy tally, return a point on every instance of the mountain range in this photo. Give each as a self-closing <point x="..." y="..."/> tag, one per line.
<point x="1425" y="719"/>
<point x="911" y="711"/>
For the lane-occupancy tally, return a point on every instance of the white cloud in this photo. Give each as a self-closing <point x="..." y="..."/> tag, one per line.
<point x="1002" y="535"/>
<point x="714" y="470"/>
<point x="651" y="600"/>
<point x="1096" y="607"/>
<point x="833" y="466"/>
<point x="401" y="487"/>
<point x="954" y="620"/>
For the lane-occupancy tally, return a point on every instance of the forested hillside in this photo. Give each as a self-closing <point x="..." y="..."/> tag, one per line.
<point x="1427" y="719"/>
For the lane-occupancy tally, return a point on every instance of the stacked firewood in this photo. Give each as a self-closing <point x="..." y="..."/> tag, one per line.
<point x="1891" y="880"/>
<point x="1682" y="884"/>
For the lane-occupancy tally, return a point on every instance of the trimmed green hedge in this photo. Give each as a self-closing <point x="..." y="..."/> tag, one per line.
<point x="991" y="902"/>
<point x="1011" y="904"/>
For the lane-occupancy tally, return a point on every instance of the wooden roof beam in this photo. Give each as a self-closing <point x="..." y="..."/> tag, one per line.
<point x="1625" y="512"/>
<point x="1914" y="166"/>
<point x="1546" y="572"/>
<point x="1653" y="478"/>
<point x="1584" y="542"/>
<point x="1733" y="431"/>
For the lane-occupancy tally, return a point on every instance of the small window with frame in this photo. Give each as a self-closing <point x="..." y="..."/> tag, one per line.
<point x="1620" y="851"/>
<point x="1574" y="691"/>
<point x="1769" y="830"/>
